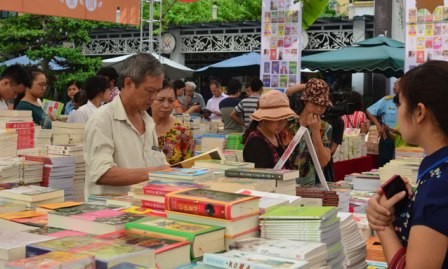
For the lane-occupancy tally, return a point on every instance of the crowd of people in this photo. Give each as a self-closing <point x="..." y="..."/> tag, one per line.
<point x="132" y="131"/>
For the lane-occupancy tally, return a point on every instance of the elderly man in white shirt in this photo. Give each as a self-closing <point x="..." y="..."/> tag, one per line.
<point x="121" y="145"/>
<point x="213" y="103"/>
<point x="98" y="92"/>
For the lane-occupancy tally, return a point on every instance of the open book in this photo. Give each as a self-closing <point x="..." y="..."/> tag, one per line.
<point x="214" y="154"/>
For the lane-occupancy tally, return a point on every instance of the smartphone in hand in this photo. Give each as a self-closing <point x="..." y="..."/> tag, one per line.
<point x="393" y="186"/>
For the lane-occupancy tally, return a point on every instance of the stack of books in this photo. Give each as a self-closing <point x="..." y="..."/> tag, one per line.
<point x="42" y="137"/>
<point x="25" y="133"/>
<point x="32" y="172"/>
<point x="107" y="253"/>
<point x="314" y="253"/>
<point x="363" y="225"/>
<point x="317" y="196"/>
<point x="90" y="218"/>
<point x="32" y="196"/>
<point x="409" y="152"/>
<point x="234" y="184"/>
<point x="234" y="141"/>
<point x="211" y="141"/>
<point x="241" y="259"/>
<point x="55" y="259"/>
<point x="58" y="172"/>
<point x="375" y="250"/>
<point x="284" y="179"/>
<point x="364" y="181"/>
<point x="8" y="143"/>
<point x="352" y="242"/>
<point x="238" y="213"/>
<point x="10" y="170"/>
<point x="75" y="151"/>
<point x="358" y="201"/>
<point x="10" y="207"/>
<point x="315" y="224"/>
<point x="13" y="243"/>
<point x="203" y="238"/>
<point x="67" y="133"/>
<point x="152" y="194"/>
<point x="406" y="167"/>
<point x="167" y="252"/>
<point x="181" y="174"/>
<point x="343" y="190"/>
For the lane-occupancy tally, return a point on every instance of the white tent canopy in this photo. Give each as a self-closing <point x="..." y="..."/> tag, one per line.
<point x="173" y="70"/>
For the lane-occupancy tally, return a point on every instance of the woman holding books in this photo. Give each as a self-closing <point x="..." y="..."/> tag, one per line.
<point x="416" y="235"/>
<point x="262" y="143"/>
<point x="175" y="139"/>
<point x="30" y="100"/>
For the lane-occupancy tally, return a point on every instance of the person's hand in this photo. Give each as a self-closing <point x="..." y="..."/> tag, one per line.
<point x="314" y="123"/>
<point x="380" y="210"/>
<point x="382" y="131"/>
<point x="187" y="100"/>
<point x="52" y="117"/>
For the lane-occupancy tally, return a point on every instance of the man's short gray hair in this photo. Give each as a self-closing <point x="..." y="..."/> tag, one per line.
<point x="191" y="84"/>
<point x="139" y="66"/>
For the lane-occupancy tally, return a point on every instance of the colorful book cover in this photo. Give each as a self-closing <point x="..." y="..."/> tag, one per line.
<point x="56" y="260"/>
<point x="53" y="206"/>
<point x="38" y="221"/>
<point x="209" y="203"/>
<point x="21" y="215"/>
<point x="107" y="251"/>
<point x="156" y="242"/>
<point x="31" y="193"/>
<point x="184" y="229"/>
<point x="52" y="107"/>
<point x="187" y="173"/>
<point x="81" y="209"/>
<point x="64" y="244"/>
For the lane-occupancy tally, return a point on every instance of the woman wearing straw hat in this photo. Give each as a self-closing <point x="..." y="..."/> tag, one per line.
<point x="316" y="99"/>
<point x="262" y="144"/>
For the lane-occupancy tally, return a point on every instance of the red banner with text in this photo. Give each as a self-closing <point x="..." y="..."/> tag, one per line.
<point x="118" y="11"/>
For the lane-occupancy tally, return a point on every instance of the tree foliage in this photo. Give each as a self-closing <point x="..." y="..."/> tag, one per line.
<point x="43" y="37"/>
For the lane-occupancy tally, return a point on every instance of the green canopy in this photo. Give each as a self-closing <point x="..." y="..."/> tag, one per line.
<point x="376" y="55"/>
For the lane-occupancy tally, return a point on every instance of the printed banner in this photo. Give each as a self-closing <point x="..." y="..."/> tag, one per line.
<point x="426" y="31"/>
<point x="280" y="43"/>
<point x="118" y="11"/>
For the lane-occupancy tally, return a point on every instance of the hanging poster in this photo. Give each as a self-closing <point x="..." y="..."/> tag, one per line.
<point x="118" y="11"/>
<point x="280" y="43"/>
<point x="426" y="31"/>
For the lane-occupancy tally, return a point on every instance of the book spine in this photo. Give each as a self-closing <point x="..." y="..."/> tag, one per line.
<point x="152" y="205"/>
<point x="29" y="132"/>
<point x="19" y="125"/>
<point x="250" y="174"/>
<point x="154" y="191"/>
<point x="197" y="207"/>
<point x="58" y="152"/>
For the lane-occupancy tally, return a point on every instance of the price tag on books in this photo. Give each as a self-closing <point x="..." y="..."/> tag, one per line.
<point x="303" y="132"/>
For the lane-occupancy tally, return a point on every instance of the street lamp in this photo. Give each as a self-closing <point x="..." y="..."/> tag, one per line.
<point x="214" y="11"/>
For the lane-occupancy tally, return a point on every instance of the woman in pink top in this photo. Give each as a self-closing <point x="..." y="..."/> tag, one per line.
<point x="358" y="119"/>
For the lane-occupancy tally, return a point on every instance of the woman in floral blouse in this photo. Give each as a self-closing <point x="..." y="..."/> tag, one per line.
<point x="175" y="139"/>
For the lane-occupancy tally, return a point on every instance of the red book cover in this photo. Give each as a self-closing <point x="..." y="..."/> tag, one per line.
<point x="152" y="205"/>
<point x="25" y="132"/>
<point x="19" y="125"/>
<point x="25" y="138"/>
<point x="217" y="204"/>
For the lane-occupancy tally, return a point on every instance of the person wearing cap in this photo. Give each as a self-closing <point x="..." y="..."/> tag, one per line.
<point x="262" y="143"/>
<point x="316" y="99"/>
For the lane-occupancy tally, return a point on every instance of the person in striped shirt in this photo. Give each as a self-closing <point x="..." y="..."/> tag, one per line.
<point x="358" y="118"/>
<point x="241" y="113"/>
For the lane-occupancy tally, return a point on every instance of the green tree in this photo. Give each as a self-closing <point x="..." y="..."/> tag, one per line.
<point x="45" y="38"/>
